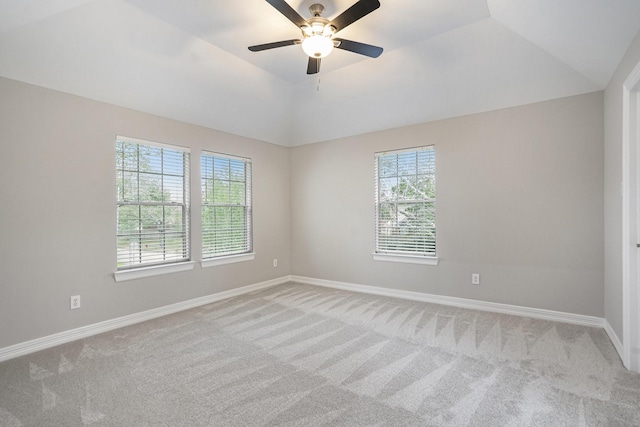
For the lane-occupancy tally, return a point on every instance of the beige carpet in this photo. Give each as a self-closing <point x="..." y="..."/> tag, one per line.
<point x="298" y="355"/>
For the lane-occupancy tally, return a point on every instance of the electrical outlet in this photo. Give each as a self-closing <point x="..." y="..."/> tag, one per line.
<point x="74" y="302"/>
<point x="275" y="262"/>
<point x="475" y="279"/>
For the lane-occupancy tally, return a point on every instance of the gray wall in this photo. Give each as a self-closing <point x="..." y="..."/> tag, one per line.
<point x="613" y="187"/>
<point x="58" y="217"/>
<point x="519" y="200"/>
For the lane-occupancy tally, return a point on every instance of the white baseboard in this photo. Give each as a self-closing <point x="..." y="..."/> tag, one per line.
<point x="537" y="313"/>
<point x="49" y="341"/>
<point x="615" y="340"/>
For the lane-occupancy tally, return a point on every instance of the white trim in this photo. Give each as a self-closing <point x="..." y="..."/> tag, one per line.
<point x="537" y="313"/>
<point x="226" y="156"/>
<point x="614" y="338"/>
<point x="410" y="259"/>
<point x="49" y="341"/>
<point x="630" y="215"/>
<point x="152" y="143"/>
<point x="156" y="270"/>
<point x="628" y="265"/>
<point x="404" y="150"/>
<point x="212" y="262"/>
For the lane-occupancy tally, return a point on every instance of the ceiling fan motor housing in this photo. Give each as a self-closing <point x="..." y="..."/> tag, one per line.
<point x="317" y="25"/>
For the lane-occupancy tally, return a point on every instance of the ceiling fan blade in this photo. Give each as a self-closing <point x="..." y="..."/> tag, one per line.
<point x="355" y="12"/>
<point x="357" y="47"/>
<point x="259" y="47"/>
<point x="314" y="66"/>
<point x="284" y="8"/>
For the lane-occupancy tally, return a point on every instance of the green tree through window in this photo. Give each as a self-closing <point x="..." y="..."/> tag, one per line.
<point x="152" y="203"/>
<point x="405" y="202"/>
<point x="226" y="205"/>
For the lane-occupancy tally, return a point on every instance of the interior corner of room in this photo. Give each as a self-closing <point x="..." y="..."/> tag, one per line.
<point x="535" y="178"/>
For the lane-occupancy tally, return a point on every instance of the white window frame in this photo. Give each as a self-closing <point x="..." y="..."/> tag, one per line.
<point x="210" y="258"/>
<point x="382" y="251"/>
<point x="153" y="268"/>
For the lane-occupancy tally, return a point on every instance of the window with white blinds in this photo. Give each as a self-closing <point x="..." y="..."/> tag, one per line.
<point x="405" y="202"/>
<point x="152" y="182"/>
<point x="226" y="205"/>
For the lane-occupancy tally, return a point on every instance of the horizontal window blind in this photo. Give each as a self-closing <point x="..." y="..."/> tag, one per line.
<point x="405" y="184"/>
<point x="226" y="205"/>
<point x="152" y="182"/>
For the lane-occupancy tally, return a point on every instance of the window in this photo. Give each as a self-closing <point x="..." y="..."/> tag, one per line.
<point x="226" y="208"/>
<point x="405" y="205"/>
<point x="153" y="203"/>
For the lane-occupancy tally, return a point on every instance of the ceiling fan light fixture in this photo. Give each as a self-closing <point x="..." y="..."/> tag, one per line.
<point x="317" y="46"/>
<point x="328" y="30"/>
<point x="318" y="32"/>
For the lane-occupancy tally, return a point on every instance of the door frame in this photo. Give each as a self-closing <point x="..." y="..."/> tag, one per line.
<point x="630" y="221"/>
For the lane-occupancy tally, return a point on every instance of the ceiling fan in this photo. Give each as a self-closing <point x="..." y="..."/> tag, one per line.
<point x="318" y="33"/>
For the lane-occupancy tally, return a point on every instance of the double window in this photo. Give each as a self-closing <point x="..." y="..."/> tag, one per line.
<point x="153" y="208"/>
<point x="152" y="181"/>
<point x="405" y="204"/>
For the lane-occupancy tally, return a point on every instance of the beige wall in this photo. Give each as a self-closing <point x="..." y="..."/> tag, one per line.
<point x="58" y="218"/>
<point x="613" y="187"/>
<point x="519" y="200"/>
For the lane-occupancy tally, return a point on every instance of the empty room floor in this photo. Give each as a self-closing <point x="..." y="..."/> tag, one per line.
<point x="301" y="355"/>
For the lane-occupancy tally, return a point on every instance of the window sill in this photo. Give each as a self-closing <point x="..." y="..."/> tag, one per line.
<point x="212" y="262"/>
<point x="411" y="259"/>
<point x="138" y="273"/>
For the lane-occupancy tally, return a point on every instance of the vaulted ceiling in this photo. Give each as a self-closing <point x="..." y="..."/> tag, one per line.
<point x="188" y="59"/>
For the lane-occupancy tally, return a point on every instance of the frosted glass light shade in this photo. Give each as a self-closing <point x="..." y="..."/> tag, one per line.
<point x="317" y="46"/>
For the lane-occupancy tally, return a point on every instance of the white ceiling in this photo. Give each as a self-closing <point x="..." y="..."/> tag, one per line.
<point x="188" y="59"/>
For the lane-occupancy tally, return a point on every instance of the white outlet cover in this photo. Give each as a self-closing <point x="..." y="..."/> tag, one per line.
<point x="74" y="302"/>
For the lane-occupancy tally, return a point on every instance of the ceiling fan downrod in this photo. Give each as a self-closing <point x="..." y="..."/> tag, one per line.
<point x="316" y="9"/>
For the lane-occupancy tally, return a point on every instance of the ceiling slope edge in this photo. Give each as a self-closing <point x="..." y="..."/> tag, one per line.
<point x="481" y="67"/>
<point x="125" y="56"/>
